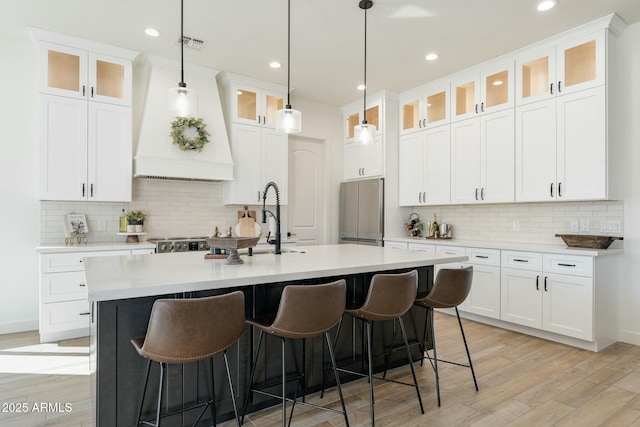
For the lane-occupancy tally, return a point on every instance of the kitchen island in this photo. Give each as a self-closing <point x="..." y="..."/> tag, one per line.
<point x="122" y="291"/>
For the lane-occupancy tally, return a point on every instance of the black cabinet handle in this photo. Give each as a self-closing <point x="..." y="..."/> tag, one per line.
<point x="92" y="91"/>
<point x="86" y="313"/>
<point x="566" y="265"/>
<point x="476" y="108"/>
<point x="84" y="90"/>
<point x="482" y="193"/>
<point x="476" y="194"/>
<point x="520" y="260"/>
<point x="258" y="195"/>
<point x="482" y="256"/>
<point x="91" y="190"/>
<point x="560" y="86"/>
<point x="551" y="189"/>
<point x="83" y="189"/>
<point x="559" y="189"/>
<point x="545" y="284"/>
<point x="482" y="107"/>
<point x="551" y="88"/>
<point x="82" y="285"/>
<point x="537" y="283"/>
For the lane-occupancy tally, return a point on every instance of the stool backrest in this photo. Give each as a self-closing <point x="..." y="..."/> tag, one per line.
<point x="391" y="295"/>
<point x="310" y="310"/>
<point x="188" y="330"/>
<point x="452" y="286"/>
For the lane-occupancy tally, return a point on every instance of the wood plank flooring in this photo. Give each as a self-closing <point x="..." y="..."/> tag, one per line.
<point x="524" y="381"/>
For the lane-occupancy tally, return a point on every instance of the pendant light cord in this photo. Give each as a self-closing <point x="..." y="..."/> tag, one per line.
<point x="182" y="43"/>
<point x="288" y="53"/>
<point x="364" y="113"/>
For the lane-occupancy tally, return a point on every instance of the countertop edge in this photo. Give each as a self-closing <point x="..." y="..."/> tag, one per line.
<point x="104" y="246"/>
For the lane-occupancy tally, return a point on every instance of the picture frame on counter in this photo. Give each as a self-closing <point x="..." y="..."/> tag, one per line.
<point x="75" y="225"/>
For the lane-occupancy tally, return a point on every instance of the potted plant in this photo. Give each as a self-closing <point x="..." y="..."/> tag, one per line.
<point x="135" y="221"/>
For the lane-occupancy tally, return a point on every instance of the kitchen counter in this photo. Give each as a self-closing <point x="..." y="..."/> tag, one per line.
<point x="92" y="247"/>
<point x="514" y="246"/>
<point x="122" y="290"/>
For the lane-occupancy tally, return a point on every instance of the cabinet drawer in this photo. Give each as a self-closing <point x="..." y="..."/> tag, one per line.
<point x="574" y="265"/>
<point x="62" y="316"/>
<point x="395" y="245"/>
<point x="71" y="261"/>
<point x="522" y="260"/>
<point x="142" y="251"/>
<point x="65" y="286"/>
<point x="450" y="250"/>
<point x="484" y="256"/>
<point x="422" y="247"/>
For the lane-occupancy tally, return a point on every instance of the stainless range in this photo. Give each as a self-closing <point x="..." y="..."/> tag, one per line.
<point x="179" y="244"/>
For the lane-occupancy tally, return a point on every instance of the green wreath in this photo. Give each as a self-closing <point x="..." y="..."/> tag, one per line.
<point x="183" y="132"/>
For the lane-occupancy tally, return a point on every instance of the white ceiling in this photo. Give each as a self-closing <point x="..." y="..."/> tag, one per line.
<point x="327" y="35"/>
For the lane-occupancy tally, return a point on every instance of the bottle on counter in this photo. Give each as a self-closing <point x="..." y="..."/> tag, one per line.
<point x="123" y="222"/>
<point x="435" y="226"/>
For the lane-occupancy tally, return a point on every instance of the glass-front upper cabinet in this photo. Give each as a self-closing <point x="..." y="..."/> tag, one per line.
<point x="256" y="106"/>
<point x="425" y="108"/>
<point x="78" y="73"/>
<point x="488" y="91"/>
<point x="569" y="67"/>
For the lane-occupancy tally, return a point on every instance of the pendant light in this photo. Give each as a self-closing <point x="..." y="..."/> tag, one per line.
<point x="365" y="133"/>
<point x="182" y="102"/>
<point x="287" y="119"/>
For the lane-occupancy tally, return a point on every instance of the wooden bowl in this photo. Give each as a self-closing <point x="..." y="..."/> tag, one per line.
<point x="588" y="241"/>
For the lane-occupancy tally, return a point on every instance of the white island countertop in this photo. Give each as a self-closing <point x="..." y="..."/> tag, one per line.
<point x="120" y="277"/>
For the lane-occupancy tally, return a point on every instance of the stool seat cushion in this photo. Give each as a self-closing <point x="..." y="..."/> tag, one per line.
<point x="389" y="297"/>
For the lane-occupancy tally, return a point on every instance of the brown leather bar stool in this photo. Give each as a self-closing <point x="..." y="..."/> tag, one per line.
<point x="190" y="330"/>
<point x="450" y="288"/>
<point x="390" y="296"/>
<point x="305" y="311"/>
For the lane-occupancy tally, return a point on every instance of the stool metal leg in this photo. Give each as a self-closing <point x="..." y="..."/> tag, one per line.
<point x="326" y="372"/>
<point x="251" y="377"/>
<point x="473" y="373"/>
<point x="159" y="407"/>
<point x="144" y="391"/>
<point x="284" y="386"/>
<point x="213" y="394"/>
<point x="335" y="373"/>
<point x="370" y="367"/>
<point x="413" y="372"/>
<point x="233" y="396"/>
<point x="435" y="353"/>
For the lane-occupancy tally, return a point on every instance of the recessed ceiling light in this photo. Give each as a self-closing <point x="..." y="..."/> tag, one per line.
<point x="152" y="32"/>
<point x="498" y="83"/>
<point x="360" y="87"/>
<point x="431" y="57"/>
<point x="546" y="5"/>
<point x="275" y="64"/>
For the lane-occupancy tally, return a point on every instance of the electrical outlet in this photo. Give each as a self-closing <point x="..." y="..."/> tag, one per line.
<point x="585" y="225"/>
<point x="573" y="226"/>
<point x="516" y="225"/>
<point x="616" y="227"/>
<point x="102" y="225"/>
<point x="603" y="226"/>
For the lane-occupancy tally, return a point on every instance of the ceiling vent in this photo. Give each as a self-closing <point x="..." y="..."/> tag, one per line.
<point x="191" y="43"/>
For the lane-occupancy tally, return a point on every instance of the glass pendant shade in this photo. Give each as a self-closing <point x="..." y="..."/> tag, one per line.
<point x="289" y="120"/>
<point x="182" y="102"/>
<point x="364" y="133"/>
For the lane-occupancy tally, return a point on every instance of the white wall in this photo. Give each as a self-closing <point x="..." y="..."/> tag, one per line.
<point x="629" y="295"/>
<point x="19" y="214"/>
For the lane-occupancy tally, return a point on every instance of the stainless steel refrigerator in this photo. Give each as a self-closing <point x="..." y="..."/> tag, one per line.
<point x="362" y="212"/>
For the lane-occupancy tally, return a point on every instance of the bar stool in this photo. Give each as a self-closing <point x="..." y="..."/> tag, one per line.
<point x="450" y="288"/>
<point x="305" y="311"/>
<point x="389" y="297"/>
<point x="190" y="330"/>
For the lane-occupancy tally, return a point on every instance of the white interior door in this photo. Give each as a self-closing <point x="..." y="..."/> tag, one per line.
<point x="306" y="211"/>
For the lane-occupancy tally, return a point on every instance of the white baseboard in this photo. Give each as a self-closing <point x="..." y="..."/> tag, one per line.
<point x="630" y="337"/>
<point x="22" y="326"/>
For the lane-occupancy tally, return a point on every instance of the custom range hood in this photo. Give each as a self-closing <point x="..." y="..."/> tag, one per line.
<point x="156" y="154"/>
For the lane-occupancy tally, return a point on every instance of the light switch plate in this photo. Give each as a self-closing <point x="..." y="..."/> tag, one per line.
<point x="584" y="225"/>
<point x="573" y="226"/>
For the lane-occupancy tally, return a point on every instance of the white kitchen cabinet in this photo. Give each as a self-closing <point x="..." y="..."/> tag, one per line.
<point x="82" y="74"/>
<point x="260" y="155"/>
<point x="569" y="66"/>
<point x="353" y="116"/>
<point x="561" y="148"/>
<point x="395" y="245"/>
<point x="484" y="296"/>
<point x="486" y="90"/>
<point x="364" y="161"/>
<point x="85" y="150"/>
<point x="254" y="105"/>
<point x="482" y="159"/>
<point x="544" y="299"/>
<point x="424" y="167"/>
<point x="425" y="108"/>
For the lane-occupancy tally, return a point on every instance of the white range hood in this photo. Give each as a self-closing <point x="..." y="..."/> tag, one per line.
<point x="156" y="155"/>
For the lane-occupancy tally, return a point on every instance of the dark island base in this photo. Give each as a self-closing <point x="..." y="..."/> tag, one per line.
<point x="118" y="371"/>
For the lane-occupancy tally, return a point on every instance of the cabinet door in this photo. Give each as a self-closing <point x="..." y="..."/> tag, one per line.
<point x="373" y="158"/>
<point x="109" y="153"/>
<point x="411" y="114"/>
<point x="436" y="106"/>
<point x="536" y="76"/>
<point x="63" y="148"/>
<point x="63" y="71"/>
<point x="582" y="145"/>
<point x="437" y="166"/>
<point x="581" y="63"/>
<point x="484" y="297"/>
<point x="274" y="164"/>
<point x="110" y="79"/>
<point x="352" y="160"/>
<point x="245" y="149"/>
<point x="351" y="120"/>
<point x="245" y="105"/>
<point x="465" y="97"/>
<point x="465" y="161"/>
<point x="412" y="169"/>
<point x="395" y="245"/>
<point x="497" y="88"/>
<point x="536" y="151"/>
<point x="271" y="102"/>
<point x="568" y="305"/>
<point x="497" y="140"/>
<point x="521" y="297"/>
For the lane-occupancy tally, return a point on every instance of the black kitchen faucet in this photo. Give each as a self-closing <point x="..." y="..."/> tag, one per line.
<point x="278" y="240"/>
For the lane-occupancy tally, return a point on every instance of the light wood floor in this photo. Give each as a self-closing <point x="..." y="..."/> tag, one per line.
<point x="524" y="381"/>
